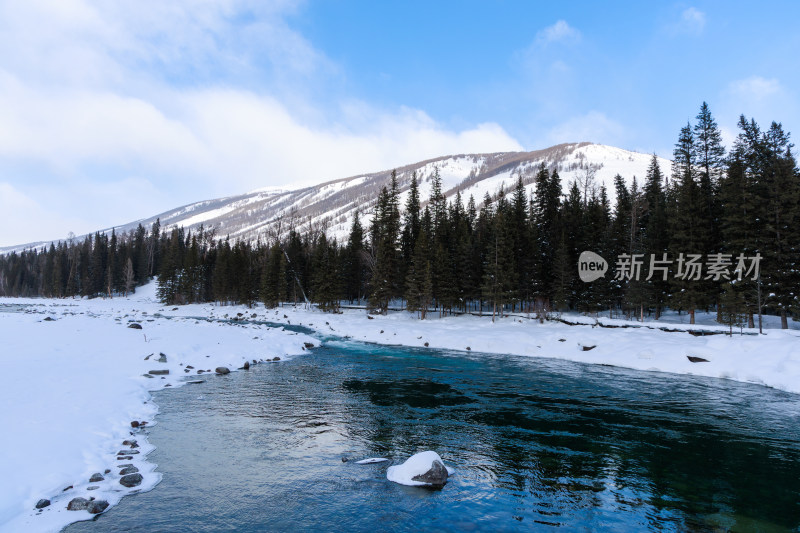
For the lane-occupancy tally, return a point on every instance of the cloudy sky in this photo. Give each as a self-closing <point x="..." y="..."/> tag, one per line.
<point x="112" y="111"/>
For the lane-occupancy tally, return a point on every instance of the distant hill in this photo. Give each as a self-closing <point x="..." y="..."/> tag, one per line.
<point x="265" y="213"/>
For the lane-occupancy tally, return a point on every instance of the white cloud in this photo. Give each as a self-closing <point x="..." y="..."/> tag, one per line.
<point x="558" y="32"/>
<point x="594" y="126"/>
<point x="118" y="111"/>
<point x="26" y="220"/>
<point x="693" y="20"/>
<point x="755" y="88"/>
<point x="763" y="99"/>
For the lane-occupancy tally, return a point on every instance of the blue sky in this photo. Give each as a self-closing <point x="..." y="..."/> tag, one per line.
<point x="113" y="111"/>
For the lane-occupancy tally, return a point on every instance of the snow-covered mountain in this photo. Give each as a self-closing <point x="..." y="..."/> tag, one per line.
<point x="264" y="213"/>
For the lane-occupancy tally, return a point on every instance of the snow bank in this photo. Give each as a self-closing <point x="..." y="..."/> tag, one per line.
<point x="772" y="359"/>
<point x="73" y="385"/>
<point x="416" y="465"/>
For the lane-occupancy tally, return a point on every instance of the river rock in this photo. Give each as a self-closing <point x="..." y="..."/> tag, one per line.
<point x="246" y="365"/>
<point x="276" y="358"/>
<point x="49" y="319"/>
<point x="587" y="348"/>
<point x="159" y="372"/>
<point x="130" y="442"/>
<point x="694" y="359"/>
<point x="131" y="480"/>
<point x="97" y="507"/>
<point x="436" y="476"/>
<point x="422" y="469"/>
<point x="162" y="358"/>
<point x="223" y="370"/>
<point x="130" y="469"/>
<point x="78" y="504"/>
<point x="308" y="344"/>
<point x="134" y="424"/>
<point x="96" y="477"/>
<point x="134" y="325"/>
<point x="41" y="504"/>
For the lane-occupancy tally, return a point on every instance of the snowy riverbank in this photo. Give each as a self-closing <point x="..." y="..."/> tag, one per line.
<point x="73" y="384"/>
<point x="772" y="359"/>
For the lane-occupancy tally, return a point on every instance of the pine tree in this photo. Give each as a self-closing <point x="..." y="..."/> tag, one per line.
<point x="353" y="262"/>
<point x="419" y="282"/>
<point x="656" y="237"/>
<point x="686" y="235"/>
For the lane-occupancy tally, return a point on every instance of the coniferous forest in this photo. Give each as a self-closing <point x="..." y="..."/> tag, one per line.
<point x="511" y="252"/>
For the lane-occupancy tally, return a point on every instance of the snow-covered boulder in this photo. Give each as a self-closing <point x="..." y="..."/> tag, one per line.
<point x="422" y="469"/>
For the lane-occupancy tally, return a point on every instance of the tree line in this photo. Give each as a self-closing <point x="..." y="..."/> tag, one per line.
<point x="513" y="252"/>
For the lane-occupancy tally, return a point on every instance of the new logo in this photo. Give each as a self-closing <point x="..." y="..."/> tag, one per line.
<point x="591" y="266"/>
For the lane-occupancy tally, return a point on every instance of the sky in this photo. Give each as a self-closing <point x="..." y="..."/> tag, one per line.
<point x="114" y="111"/>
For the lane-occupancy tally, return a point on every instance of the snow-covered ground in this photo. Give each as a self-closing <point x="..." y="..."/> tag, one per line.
<point x="772" y="359"/>
<point x="73" y="385"/>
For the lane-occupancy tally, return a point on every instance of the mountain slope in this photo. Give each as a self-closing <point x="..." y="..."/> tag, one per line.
<point x="265" y="213"/>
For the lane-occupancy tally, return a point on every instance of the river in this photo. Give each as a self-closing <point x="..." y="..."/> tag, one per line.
<point x="536" y="444"/>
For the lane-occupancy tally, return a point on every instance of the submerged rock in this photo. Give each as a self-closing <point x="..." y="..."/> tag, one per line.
<point x="131" y="480"/>
<point x="372" y="460"/>
<point x="41" y="504"/>
<point x="162" y="358"/>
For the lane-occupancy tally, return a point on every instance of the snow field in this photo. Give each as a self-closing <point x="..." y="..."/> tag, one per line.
<point x="73" y="385"/>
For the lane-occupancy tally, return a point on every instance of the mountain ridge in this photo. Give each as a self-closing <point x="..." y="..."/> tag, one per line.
<point x="264" y="214"/>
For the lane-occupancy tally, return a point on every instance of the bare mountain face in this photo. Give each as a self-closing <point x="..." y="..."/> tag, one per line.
<point x="267" y="213"/>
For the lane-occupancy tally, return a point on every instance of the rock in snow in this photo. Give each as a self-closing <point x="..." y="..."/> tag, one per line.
<point x="424" y="469"/>
<point x="131" y="480"/>
<point x="78" y="504"/>
<point x="41" y="504"/>
<point x="97" y="506"/>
